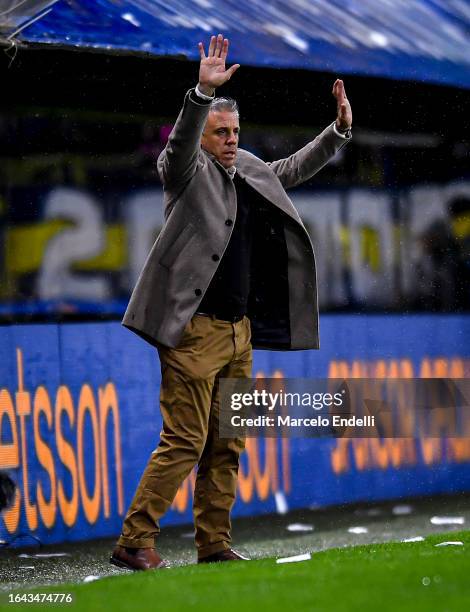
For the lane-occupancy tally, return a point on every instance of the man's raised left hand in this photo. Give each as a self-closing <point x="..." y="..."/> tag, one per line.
<point x="344" y="118"/>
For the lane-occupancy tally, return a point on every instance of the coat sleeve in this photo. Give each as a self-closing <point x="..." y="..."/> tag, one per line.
<point x="177" y="162"/>
<point x="306" y="162"/>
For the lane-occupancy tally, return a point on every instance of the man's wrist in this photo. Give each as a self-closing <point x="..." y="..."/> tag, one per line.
<point x="204" y="92"/>
<point x="343" y="132"/>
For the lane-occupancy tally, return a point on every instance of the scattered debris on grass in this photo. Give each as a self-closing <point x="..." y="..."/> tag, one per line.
<point x="295" y="558"/>
<point x="447" y="520"/>
<point x="358" y="530"/>
<point x="299" y="527"/>
<point x="43" y="555"/>
<point x="91" y="578"/>
<point x="402" y="509"/>
<point x="281" y="502"/>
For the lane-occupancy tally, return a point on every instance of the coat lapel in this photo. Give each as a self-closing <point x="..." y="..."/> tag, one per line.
<point x="259" y="176"/>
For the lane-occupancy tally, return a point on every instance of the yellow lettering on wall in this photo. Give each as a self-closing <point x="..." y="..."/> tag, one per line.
<point x="457" y="369"/>
<point x="459" y="449"/>
<point x="114" y="254"/>
<point x="405" y="412"/>
<point x="23" y="409"/>
<point x="426" y="370"/>
<point x="267" y="480"/>
<point x="395" y="451"/>
<point x="91" y="505"/>
<point x="9" y="452"/>
<point x="245" y="481"/>
<point x="379" y="369"/>
<point x="406" y="368"/>
<point x="285" y="450"/>
<point x="379" y="453"/>
<point x="431" y="449"/>
<point x="263" y="481"/>
<point x="108" y="404"/>
<point x="10" y="457"/>
<point x="382" y="452"/>
<point x="370" y="248"/>
<point x="360" y="449"/>
<point x="68" y="507"/>
<point x="339" y="369"/>
<point x="359" y="369"/>
<point x="285" y="456"/>
<point x="441" y="369"/>
<point x="47" y="510"/>
<point x="340" y="456"/>
<point x="12" y="515"/>
<point x="27" y="243"/>
<point x="393" y="371"/>
<point x="47" y="421"/>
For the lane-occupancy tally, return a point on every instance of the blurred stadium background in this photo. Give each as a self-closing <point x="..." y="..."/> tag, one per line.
<point x="90" y="91"/>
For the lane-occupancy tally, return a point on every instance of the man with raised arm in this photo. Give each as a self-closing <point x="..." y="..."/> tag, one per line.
<point x="232" y="269"/>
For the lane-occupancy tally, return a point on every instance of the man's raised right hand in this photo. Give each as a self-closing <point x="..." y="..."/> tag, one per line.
<point x="212" y="72"/>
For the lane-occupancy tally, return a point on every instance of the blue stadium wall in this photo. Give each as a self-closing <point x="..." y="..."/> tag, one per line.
<point x="79" y="418"/>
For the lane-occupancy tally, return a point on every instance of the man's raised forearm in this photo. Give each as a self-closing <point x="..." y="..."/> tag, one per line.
<point x="306" y="162"/>
<point x="303" y="164"/>
<point x="177" y="162"/>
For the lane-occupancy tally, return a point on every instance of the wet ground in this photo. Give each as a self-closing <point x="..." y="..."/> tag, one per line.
<point x="264" y="536"/>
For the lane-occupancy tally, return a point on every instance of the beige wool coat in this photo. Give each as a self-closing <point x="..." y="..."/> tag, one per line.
<point x="200" y="211"/>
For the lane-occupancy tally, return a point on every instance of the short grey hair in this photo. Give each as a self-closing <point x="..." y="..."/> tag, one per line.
<point x="224" y="104"/>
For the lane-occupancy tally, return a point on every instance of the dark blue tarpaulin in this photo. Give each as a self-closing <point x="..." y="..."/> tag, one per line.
<point x="422" y="40"/>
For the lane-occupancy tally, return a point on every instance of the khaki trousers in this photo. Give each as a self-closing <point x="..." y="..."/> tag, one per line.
<point x="210" y="349"/>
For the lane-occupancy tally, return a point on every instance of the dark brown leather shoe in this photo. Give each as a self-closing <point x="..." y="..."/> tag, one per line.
<point x="224" y="555"/>
<point x="137" y="558"/>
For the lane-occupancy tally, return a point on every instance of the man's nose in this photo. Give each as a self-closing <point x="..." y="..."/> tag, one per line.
<point x="232" y="138"/>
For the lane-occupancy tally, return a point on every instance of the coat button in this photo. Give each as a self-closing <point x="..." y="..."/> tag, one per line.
<point x="197" y="291"/>
<point x="229" y="222"/>
<point x="215" y="257"/>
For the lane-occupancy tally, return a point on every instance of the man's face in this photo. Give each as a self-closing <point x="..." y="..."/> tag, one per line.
<point x="220" y="136"/>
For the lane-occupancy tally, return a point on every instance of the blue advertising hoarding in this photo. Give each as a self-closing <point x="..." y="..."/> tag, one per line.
<point x="79" y="418"/>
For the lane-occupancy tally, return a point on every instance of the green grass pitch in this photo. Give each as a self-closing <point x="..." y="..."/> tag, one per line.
<point x="392" y="576"/>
